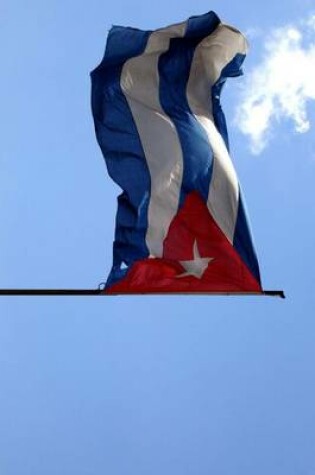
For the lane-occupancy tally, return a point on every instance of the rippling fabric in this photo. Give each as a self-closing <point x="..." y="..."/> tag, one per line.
<point x="181" y="223"/>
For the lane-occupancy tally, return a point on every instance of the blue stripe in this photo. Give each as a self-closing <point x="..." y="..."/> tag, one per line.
<point x="232" y="69"/>
<point x="243" y="241"/>
<point x="200" y="26"/>
<point x="118" y="138"/>
<point x="174" y="70"/>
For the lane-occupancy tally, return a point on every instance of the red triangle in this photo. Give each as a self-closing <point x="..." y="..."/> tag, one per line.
<point x="226" y="272"/>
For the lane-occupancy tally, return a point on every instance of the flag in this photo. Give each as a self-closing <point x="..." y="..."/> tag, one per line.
<point x="181" y="224"/>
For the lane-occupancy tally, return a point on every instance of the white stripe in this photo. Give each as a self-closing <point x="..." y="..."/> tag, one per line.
<point x="158" y="135"/>
<point x="210" y="57"/>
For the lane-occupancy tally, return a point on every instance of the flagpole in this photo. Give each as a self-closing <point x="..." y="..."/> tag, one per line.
<point x="100" y="292"/>
<point x="49" y="292"/>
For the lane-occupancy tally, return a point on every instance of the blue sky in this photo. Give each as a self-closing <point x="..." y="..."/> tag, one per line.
<point x="151" y="385"/>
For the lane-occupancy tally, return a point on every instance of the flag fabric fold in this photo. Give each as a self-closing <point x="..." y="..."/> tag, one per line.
<point x="181" y="222"/>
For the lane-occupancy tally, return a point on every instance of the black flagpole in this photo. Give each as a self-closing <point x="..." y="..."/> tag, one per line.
<point x="100" y="291"/>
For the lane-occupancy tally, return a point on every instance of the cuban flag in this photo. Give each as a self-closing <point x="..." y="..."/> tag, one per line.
<point x="181" y="223"/>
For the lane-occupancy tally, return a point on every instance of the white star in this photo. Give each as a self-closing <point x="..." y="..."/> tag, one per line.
<point x="197" y="266"/>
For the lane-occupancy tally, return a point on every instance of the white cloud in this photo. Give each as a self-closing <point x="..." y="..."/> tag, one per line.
<point x="280" y="86"/>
